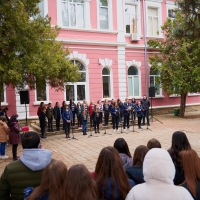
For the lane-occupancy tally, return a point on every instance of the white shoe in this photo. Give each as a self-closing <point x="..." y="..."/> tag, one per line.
<point x="117" y="130"/>
<point x="129" y="129"/>
<point x="0" y="157"/>
<point x="4" y="157"/>
<point x="124" y="129"/>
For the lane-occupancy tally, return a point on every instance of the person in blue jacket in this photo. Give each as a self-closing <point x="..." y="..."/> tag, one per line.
<point x="67" y="119"/>
<point x="139" y="111"/>
<point x="115" y="116"/>
<point x="126" y="112"/>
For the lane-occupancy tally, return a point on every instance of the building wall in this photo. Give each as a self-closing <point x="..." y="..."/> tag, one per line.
<point x="96" y="48"/>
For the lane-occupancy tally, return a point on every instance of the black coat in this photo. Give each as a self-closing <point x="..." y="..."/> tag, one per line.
<point x="197" y="191"/>
<point x="42" y="119"/>
<point x="94" y="115"/>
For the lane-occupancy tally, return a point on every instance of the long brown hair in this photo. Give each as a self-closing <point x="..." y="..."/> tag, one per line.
<point x="53" y="182"/>
<point x="139" y="154"/>
<point x="109" y="165"/>
<point x="80" y="184"/>
<point x="191" y="167"/>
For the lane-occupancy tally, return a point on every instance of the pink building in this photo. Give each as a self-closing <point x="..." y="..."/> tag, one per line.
<point x="106" y="39"/>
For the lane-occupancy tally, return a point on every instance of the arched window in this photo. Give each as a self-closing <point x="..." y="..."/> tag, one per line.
<point x="77" y="91"/>
<point x="103" y="14"/>
<point x="133" y="81"/>
<point x="154" y="75"/>
<point x="106" y="82"/>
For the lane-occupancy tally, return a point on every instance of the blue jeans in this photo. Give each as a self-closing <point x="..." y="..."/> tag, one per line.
<point x="84" y="126"/>
<point x="3" y="148"/>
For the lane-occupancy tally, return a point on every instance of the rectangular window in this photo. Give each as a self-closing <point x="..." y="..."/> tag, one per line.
<point x="73" y="13"/>
<point x="41" y="7"/>
<point x="103" y="14"/>
<point x="130" y="18"/>
<point x="106" y="86"/>
<point x="153" y="84"/>
<point x="133" y="86"/>
<point x="2" y="96"/>
<point x="41" y="92"/>
<point x="153" y="25"/>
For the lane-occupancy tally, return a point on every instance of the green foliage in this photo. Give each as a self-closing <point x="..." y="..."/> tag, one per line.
<point x="178" y="57"/>
<point x="29" y="51"/>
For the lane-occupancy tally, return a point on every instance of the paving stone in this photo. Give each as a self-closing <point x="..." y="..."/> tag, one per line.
<point x="86" y="149"/>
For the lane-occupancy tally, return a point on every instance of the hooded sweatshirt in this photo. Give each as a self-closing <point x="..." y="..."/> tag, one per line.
<point x="126" y="160"/>
<point x="26" y="172"/>
<point x="159" y="171"/>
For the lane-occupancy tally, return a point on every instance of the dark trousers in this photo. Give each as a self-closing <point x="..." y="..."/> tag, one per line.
<point x="50" y="126"/>
<point x="96" y="123"/>
<point x="126" y="121"/>
<point x="115" y="121"/>
<point x="100" y="118"/>
<point x="67" y="128"/>
<point x="14" y="150"/>
<point x="79" y="120"/>
<point x="73" y="120"/>
<point x="106" y="117"/>
<point x="139" y="121"/>
<point x="84" y="126"/>
<point x="91" y="122"/>
<point x="42" y="129"/>
<point x="58" y="124"/>
<point x="146" y="114"/>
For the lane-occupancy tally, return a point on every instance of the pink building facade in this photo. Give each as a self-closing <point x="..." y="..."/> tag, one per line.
<point x="107" y="39"/>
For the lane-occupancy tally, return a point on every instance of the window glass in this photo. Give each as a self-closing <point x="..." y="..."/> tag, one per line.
<point x="153" y="26"/>
<point x="154" y="75"/>
<point x="41" y="92"/>
<point x="130" y="18"/>
<point x="132" y="71"/>
<point x="73" y="13"/>
<point x="69" y="92"/>
<point x="136" y="85"/>
<point x="130" y="86"/>
<point x="106" y="83"/>
<point x="103" y="14"/>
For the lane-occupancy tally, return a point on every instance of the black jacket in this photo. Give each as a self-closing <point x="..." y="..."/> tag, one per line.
<point x="42" y="119"/>
<point x="94" y="115"/>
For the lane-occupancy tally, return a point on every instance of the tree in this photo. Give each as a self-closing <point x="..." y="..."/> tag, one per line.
<point x="29" y="52"/>
<point x="178" y="54"/>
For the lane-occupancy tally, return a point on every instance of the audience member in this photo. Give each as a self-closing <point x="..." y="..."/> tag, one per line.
<point x="153" y="143"/>
<point x="179" y="143"/>
<point x="52" y="186"/>
<point x="135" y="172"/>
<point x="27" y="171"/>
<point x="4" y="132"/>
<point x="191" y="166"/>
<point x="124" y="153"/>
<point x="14" y="135"/>
<point x="111" y="179"/>
<point x="40" y="108"/>
<point x="159" y="171"/>
<point x="80" y="185"/>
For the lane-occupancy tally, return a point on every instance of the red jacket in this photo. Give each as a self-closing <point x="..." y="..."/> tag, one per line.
<point x="90" y="109"/>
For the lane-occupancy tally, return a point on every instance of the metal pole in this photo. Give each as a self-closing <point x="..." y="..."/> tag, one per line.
<point x="145" y="49"/>
<point x="26" y="114"/>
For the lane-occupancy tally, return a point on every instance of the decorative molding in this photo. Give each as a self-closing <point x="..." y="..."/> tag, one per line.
<point x="134" y="62"/>
<point x="81" y="57"/>
<point x="105" y="62"/>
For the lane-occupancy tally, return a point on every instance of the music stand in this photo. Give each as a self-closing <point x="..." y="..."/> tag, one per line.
<point x="152" y="117"/>
<point x="91" y="132"/>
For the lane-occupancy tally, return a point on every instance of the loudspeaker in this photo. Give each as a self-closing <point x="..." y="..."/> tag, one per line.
<point x="152" y="92"/>
<point x="24" y="97"/>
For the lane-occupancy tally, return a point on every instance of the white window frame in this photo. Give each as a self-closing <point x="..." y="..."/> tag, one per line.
<point x="138" y="28"/>
<point x="4" y="103"/>
<point x="160" y="89"/>
<point x="194" y="94"/>
<point x="86" y="83"/>
<point x="156" y="5"/>
<point x="139" y="80"/>
<point x="170" y="6"/>
<point x="60" y="11"/>
<point x="45" y="11"/>
<point x="110" y="84"/>
<point x="110" y="16"/>
<point x="47" y="96"/>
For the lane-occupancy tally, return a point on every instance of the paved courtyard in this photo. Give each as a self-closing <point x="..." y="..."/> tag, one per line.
<point x="86" y="150"/>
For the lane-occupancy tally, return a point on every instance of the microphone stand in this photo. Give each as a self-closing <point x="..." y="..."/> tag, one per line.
<point x="105" y="132"/>
<point x="91" y="132"/>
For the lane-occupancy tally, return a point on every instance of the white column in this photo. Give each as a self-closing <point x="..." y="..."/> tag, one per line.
<point x="121" y="51"/>
<point x="45" y="7"/>
<point x="87" y="13"/>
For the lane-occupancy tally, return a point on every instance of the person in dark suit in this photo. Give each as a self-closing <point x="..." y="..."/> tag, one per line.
<point x="42" y="118"/>
<point x="139" y="111"/>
